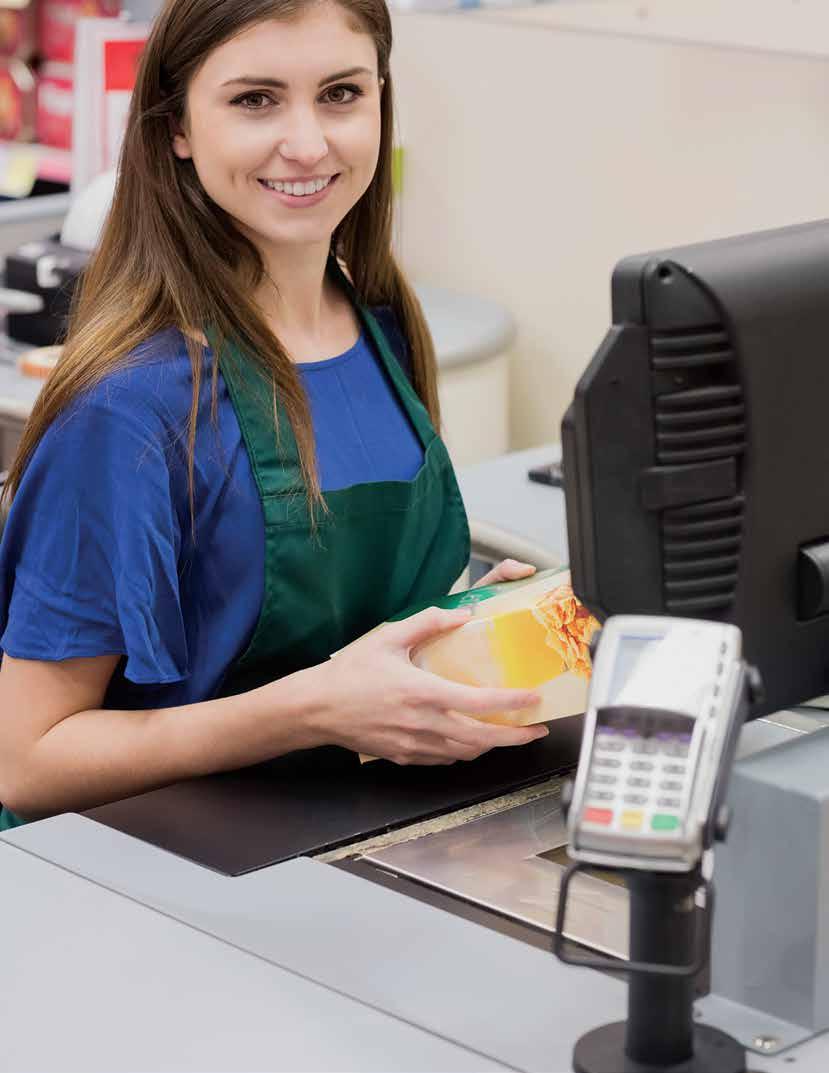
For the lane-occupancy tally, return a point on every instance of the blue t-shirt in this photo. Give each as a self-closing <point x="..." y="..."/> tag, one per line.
<point x="97" y="556"/>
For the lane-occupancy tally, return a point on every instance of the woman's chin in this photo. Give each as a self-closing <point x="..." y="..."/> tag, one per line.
<point x="300" y="234"/>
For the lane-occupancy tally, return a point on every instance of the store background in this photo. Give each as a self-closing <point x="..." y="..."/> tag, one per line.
<point x="544" y="144"/>
<point x="539" y="145"/>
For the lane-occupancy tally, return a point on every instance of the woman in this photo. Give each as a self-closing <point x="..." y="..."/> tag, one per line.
<point x="224" y="378"/>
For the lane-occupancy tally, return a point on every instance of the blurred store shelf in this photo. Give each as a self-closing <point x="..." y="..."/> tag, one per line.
<point x="30" y="218"/>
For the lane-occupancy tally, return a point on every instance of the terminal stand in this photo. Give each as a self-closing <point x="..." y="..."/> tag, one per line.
<point x="666" y="954"/>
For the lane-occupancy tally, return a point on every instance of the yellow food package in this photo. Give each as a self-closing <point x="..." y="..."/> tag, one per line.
<point x="527" y="634"/>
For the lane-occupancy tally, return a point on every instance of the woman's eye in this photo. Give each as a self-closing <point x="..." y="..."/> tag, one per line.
<point x="342" y="94"/>
<point x="253" y="102"/>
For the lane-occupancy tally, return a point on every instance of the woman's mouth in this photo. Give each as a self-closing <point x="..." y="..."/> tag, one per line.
<point x="300" y="193"/>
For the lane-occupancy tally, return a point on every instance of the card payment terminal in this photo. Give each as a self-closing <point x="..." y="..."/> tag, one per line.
<point x="666" y="703"/>
<point x="667" y="699"/>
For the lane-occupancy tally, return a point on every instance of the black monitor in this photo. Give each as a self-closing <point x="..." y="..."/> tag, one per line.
<point x="696" y="449"/>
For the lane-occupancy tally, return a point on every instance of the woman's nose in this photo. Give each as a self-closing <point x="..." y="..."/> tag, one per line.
<point x="303" y="141"/>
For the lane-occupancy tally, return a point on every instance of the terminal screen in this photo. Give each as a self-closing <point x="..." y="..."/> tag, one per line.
<point x="629" y="652"/>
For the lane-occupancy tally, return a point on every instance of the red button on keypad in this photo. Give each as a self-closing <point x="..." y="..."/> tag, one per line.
<point x="598" y="815"/>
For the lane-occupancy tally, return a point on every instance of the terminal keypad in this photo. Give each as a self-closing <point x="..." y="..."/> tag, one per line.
<point x="637" y="778"/>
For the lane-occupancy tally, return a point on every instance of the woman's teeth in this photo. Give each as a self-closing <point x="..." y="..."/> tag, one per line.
<point x="297" y="189"/>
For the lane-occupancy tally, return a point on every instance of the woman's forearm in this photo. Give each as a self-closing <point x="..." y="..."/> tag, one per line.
<point x="97" y="756"/>
<point x="369" y="698"/>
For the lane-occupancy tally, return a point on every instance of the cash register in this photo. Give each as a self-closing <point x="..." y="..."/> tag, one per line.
<point x="694" y="460"/>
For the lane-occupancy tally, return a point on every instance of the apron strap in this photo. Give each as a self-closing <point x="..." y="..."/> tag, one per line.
<point x="417" y="412"/>
<point x="274" y="453"/>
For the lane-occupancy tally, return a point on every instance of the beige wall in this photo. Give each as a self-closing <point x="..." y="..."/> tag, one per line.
<point x="537" y="156"/>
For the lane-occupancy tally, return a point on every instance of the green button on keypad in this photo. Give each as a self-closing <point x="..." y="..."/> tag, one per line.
<point x="661" y="822"/>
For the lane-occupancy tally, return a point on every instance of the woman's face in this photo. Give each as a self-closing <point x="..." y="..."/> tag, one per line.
<point x="283" y="125"/>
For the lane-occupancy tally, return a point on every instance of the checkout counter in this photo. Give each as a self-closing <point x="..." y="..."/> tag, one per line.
<point x="314" y="914"/>
<point x="347" y="918"/>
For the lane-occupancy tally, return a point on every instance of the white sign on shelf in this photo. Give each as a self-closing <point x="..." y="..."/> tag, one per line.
<point x="106" y="53"/>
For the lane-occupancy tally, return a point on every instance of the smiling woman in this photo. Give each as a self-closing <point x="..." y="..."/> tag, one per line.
<point x="304" y="135"/>
<point x="255" y="93"/>
<point x="235" y="469"/>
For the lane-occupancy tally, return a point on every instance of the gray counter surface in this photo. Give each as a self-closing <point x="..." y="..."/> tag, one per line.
<point x="140" y="960"/>
<point x="511" y="516"/>
<point x="95" y="981"/>
<point x="508" y="1001"/>
<point x="121" y="956"/>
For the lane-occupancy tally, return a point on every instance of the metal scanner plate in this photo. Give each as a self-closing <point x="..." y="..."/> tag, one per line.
<point x="512" y="862"/>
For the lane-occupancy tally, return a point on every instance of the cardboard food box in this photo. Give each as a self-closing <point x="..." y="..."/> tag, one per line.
<point x="527" y="634"/>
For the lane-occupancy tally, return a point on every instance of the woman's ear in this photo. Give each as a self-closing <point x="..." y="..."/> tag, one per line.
<point x="180" y="141"/>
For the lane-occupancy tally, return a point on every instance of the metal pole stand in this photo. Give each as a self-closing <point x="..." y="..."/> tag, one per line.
<point x="660" y="1035"/>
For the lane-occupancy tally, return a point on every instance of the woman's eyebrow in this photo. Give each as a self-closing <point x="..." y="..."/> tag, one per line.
<point x="275" y="83"/>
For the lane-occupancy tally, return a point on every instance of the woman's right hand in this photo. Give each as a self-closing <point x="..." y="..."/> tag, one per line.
<point x="376" y="701"/>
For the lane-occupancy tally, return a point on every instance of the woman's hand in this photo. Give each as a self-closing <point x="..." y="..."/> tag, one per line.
<point x="376" y="701"/>
<point x="506" y="570"/>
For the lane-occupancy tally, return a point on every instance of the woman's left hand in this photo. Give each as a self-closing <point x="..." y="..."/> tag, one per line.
<point x="506" y="570"/>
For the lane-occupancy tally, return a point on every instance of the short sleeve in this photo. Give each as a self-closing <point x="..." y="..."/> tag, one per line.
<point x="89" y="557"/>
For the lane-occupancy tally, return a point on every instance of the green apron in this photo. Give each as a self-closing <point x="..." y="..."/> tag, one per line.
<point x="379" y="548"/>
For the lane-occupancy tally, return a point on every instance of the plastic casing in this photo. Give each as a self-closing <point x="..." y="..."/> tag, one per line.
<point x="714" y="728"/>
<point x="695" y="449"/>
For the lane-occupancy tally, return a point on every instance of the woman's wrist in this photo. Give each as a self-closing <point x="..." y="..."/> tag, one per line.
<point x="246" y="728"/>
<point x="298" y="708"/>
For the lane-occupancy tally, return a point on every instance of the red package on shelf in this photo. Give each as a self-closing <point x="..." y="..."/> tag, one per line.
<point x="55" y="95"/>
<point x="57" y="24"/>
<point x="18" y="29"/>
<point x="18" y="101"/>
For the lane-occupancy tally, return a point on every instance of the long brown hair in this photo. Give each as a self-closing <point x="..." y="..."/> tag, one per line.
<point x="170" y="256"/>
